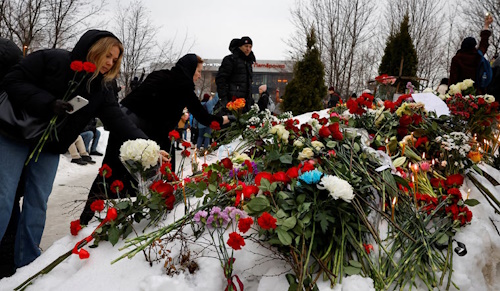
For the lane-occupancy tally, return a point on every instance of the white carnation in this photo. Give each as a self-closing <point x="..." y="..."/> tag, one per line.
<point x="337" y="187"/>
<point x="145" y="152"/>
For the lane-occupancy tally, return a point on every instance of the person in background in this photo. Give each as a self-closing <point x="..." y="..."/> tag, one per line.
<point x="208" y="102"/>
<point x="494" y="87"/>
<point x="234" y="78"/>
<point x="79" y="155"/>
<point x="264" y="98"/>
<point x="155" y="106"/>
<point x="182" y="126"/>
<point x="137" y="81"/>
<point x="193" y="130"/>
<point x="37" y="85"/>
<point x="91" y="134"/>
<point x="464" y="64"/>
<point x="443" y="86"/>
<point x="334" y="97"/>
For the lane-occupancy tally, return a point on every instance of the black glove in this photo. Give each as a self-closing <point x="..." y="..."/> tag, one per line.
<point x="60" y="107"/>
<point x="231" y="118"/>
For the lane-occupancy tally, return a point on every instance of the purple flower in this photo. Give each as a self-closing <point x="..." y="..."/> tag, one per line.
<point x="223" y="219"/>
<point x="200" y="216"/>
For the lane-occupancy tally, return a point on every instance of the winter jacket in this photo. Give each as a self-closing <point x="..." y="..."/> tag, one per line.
<point x="234" y="78"/>
<point x="160" y="99"/>
<point x="494" y="87"/>
<point x="334" y="99"/>
<point x="263" y="101"/>
<point x="465" y="63"/>
<point x="209" y="105"/>
<point x="10" y="55"/>
<point x="43" y="76"/>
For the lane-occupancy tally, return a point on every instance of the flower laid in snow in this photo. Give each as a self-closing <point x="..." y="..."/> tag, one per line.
<point x="337" y="187"/>
<point x="145" y="152"/>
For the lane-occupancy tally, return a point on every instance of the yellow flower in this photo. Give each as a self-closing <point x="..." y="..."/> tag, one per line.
<point x="475" y="156"/>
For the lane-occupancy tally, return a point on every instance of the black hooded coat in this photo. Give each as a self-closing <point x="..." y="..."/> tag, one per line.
<point x="43" y="76"/>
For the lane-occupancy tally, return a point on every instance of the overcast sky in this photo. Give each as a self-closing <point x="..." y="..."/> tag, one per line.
<point x="211" y="24"/>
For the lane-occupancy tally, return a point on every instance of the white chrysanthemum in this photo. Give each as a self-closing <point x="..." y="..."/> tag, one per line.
<point x="317" y="145"/>
<point x="146" y="152"/>
<point x="489" y="98"/>
<point x="337" y="187"/>
<point x="306" y="154"/>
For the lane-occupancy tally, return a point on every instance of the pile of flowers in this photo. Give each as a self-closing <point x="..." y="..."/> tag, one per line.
<point x="331" y="196"/>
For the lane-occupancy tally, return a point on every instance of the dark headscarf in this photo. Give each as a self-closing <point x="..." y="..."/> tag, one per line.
<point x="187" y="65"/>
<point x="10" y="54"/>
<point x="85" y="42"/>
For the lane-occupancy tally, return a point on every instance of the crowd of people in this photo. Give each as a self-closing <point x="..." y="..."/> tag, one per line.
<point x="163" y="101"/>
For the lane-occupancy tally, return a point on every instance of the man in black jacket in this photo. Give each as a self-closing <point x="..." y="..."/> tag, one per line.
<point x="234" y="78"/>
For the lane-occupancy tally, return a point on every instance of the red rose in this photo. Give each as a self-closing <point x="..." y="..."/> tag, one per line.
<point x="76" y="66"/>
<point x="169" y="201"/>
<point x="315" y="115"/>
<point x="75" y="227"/>
<point x="116" y="186"/>
<point x="436" y="183"/>
<point x="105" y="171"/>
<point x="324" y="132"/>
<point x="293" y="172"/>
<point x="266" y="221"/>
<point x="337" y="135"/>
<point x="263" y="175"/>
<point x="250" y="190"/>
<point x="405" y="121"/>
<point x="83" y="254"/>
<point x="112" y="214"/>
<point x="480" y="101"/>
<point x="214" y="144"/>
<point x="306" y="167"/>
<point x="215" y="125"/>
<point x="162" y="188"/>
<point x="235" y="241"/>
<point x="244" y="224"/>
<point x="455" y="180"/>
<point x="226" y="163"/>
<point x="174" y="135"/>
<point x="417" y="119"/>
<point x="89" y="67"/>
<point x="97" y="205"/>
<point x="281" y="177"/>
<point x="390" y="105"/>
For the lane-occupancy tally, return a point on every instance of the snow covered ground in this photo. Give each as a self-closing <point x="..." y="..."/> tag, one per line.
<point x="255" y="265"/>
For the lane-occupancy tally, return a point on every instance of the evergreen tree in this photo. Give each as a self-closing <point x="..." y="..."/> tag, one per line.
<point x="400" y="46"/>
<point x="307" y="89"/>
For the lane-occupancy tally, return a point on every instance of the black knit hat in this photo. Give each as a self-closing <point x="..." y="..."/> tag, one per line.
<point x="245" y="40"/>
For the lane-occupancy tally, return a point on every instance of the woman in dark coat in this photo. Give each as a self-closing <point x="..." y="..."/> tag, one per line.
<point x="156" y="107"/>
<point x="37" y="85"/>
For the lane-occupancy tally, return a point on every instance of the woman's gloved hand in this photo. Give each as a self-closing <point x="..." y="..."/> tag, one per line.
<point x="60" y="107"/>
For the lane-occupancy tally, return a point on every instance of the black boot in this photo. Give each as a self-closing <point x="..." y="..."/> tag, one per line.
<point x="79" y="161"/>
<point x="88" y="160"/>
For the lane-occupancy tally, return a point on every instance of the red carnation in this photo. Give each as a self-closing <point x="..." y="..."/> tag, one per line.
<point x="306" y="167"/>
<point x="76" y="66"/>
<point x="116" y="186"/>
<point x="89" y="67"/>
<point x="215" y="125"/>
<point x="75" y="227"/>
<point x="112" y="214"/>
<point x="436" y="182"/>
<point x="185" y="153"/>
<point x="97" y="205"/>
<point x="174" y="135"/>
<point x="162" y="188"/>
<point x="293" y="172"/>
<point x="281" y="177"/>
<point x="169" y="201"/>
<point x="186" y="144"/>
<point x="368" y="248"/>
<point x="315" y="115"/>
<point x="105" y="171"/>
<point x="235" y="241"/>
<point x="266" y="221"/>
<point x="166" y="168"/>
<point x="324" y="132"/>
<point x="214" y="144"/>
<point x="244" y="224"/>
<point x="226" y="163"/>
<point x="263" y="175"/>
<point x="405" y="121"/>
<point x="250" y="190"/>
<point x="455" y="180"/>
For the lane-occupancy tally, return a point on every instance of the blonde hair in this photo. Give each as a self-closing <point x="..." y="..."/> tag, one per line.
<point x="97" y="55"/>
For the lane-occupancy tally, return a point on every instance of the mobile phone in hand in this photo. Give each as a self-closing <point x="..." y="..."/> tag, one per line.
<point x="78" y="102"/>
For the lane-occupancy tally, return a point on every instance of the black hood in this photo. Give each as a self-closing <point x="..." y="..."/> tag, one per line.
<point x="10" y="54"/>
<point x="187" y="66"/>
<point x="85" y="42"/>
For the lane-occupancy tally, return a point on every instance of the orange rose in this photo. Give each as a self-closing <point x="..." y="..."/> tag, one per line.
<point x="239" y="103"/>
<point x="475" y="156"/>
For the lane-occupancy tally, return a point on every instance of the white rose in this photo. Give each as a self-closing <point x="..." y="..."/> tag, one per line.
<point x="337" y="187"/>
<point x="467" y="83"/>
<point x="299" y="143"/>
<point x="489" y="98"/>
<point x="317" y="145"/>
<point x="462" y="85"/>
<point x="306" y="154"/>
<point x="454" y="89"/>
